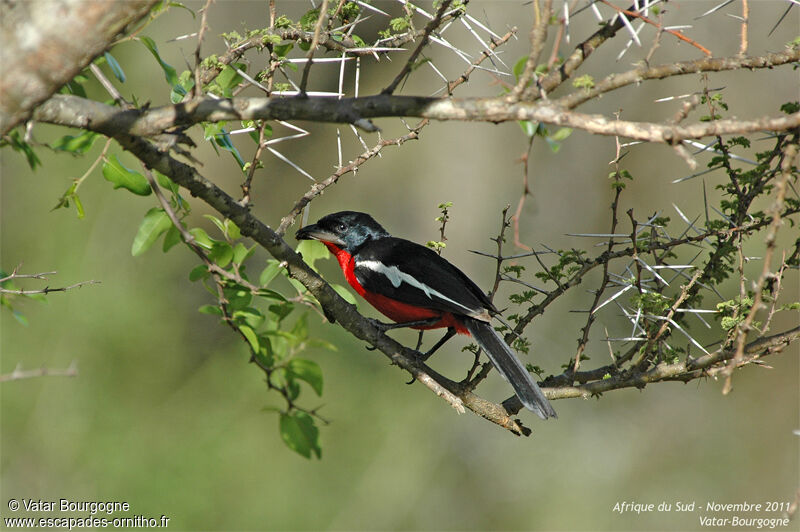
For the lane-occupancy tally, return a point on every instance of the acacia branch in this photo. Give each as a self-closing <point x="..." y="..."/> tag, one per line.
<point x="95" y="116"/>
<point x="707" y="64"/>
<point x="680" y="371"/>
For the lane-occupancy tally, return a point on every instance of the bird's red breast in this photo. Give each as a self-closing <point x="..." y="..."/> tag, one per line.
<point x="394" y="310"/>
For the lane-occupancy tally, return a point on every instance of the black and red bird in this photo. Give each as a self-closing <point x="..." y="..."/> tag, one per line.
<point x="412" y="285"/>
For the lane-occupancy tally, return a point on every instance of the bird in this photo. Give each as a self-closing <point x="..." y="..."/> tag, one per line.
<point x="415" y="287"/>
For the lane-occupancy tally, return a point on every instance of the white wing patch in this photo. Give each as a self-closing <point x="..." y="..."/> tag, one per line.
<point x="397" y="277"/>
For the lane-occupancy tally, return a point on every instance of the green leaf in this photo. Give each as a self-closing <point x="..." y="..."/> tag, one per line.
<point x="155" y="222"/>
<point x="252" y="317"/>
<point x="210" y="309"/>
<point x="282" y="49"/>
<point x="172" y="238"/>
<point x="307" y="370"/>
<point x="18" y="144"/>
<point x="223" y="140"/>
<point x="115" y="67"/>
<point x="79" y="144"/>
<point x="528" y="127"/>
<point x="221" y="253"/>
<point x="300" y="434"/>
<point x="228" y="79"/>
<point x="251" y="336"/>
<point x="122" y="177"/>
<point x="312" y="250"/>
<point x="300" y="328"/>
<point x="201" y="238"/>
<point x="169" y="73"/>
<point x="198" y="272"/>
<point x="346" y="294"/>
<point x="270" y="272"/>
<point x="241" y="253"/>
<point x="78" y="206"/>
<point x="231" y="230"/>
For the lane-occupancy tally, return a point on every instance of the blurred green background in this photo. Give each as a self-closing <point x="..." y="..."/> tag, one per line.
<point x="166" y="413"/>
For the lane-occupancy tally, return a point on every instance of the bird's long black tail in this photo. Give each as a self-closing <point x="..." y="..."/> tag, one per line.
<point x="510" y="368"/>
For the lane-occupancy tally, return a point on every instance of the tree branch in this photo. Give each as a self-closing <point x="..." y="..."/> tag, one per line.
<point x="86" y="114"/>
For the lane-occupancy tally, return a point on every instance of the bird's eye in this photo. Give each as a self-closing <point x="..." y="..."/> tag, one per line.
<point x="340" y="227"/>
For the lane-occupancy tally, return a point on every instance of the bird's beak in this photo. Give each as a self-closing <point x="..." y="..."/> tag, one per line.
<point x="315" y="232"/>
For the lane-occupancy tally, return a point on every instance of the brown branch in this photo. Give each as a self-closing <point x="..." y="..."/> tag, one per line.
<point x="679" y="371"/>
<point x="538" y="37"/>
<point x="87" y="114"/>
<point x="707" y="64"/>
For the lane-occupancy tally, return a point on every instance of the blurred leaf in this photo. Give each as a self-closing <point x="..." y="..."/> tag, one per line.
<point x="232" y="230"/>
<point x="223" y="140"/>
<point x="300" y="328"/>
<point x="308" y="371"/>
<point x="210" y="309"/>
<point x="228" y="79"/>
<point x="251" y="316"/>
<point x="346" y="294"/>
<point x="312" y="250"/>
<point x="172" y="238"/>
<point x="169" y="73"/>
<point x="251" y="336"/>
<point x="122" y="177"/>
<point x="18" y="144"/>
<point x="221" y="253"/>
<point x="78" y="144"/>
<point x="201" y="238"/>
<point x="198" y="272"/>
<point x="300" y="434"/>
<point x="270" y="272"/>
<point x="115" y="67"/>
<point x="155" y="222"/>
<point x="242" y="253"/>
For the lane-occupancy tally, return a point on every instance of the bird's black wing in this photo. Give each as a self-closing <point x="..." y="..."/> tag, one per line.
<point x="417" y="275"/>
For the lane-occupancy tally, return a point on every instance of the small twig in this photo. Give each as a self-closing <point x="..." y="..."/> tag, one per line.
<point x="41" y="276"/>
<point x="109" y="87"/>
<point x="429" y="28"/>
<point x="19" y="373"/>
<point x="745" y="20"/>
<point x="538" y="37"/>
<point x="198" y="62"/>
<point x="526" y="191"/>
<point x="323" y="12"/>
<point x="677" y="34"/>
<point x="253" y="164"/>
<point x="504" y="223"/>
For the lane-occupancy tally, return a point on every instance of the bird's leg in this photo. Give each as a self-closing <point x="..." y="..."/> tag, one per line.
<point x="419" y="340"/>
<point x="451" y="331"/>
<point x="384" y="327"/>
<point x="424" y="356"/>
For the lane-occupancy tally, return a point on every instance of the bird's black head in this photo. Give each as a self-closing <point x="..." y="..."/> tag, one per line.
<point x="348" y="230"/>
